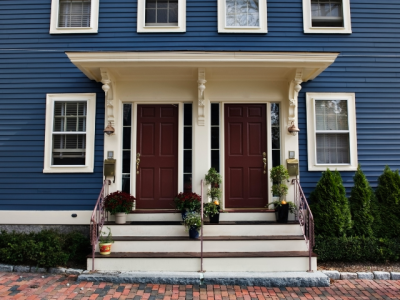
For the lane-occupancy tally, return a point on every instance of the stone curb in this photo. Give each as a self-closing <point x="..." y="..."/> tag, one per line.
<point x="268" y="279"/>
<point x="28" y="269"/>
<point x="362" y="275"/>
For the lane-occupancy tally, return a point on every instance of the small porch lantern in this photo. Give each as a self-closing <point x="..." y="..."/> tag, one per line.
<point x="293" y="130"/>
<point x="109" y="130"/>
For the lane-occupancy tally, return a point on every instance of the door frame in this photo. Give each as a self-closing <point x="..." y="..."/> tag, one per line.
<point x="134" y="141"/>
<point x="269" y="142"/>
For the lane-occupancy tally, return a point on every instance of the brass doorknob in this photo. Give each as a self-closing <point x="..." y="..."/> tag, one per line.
<point x="137" y="163"/>
<point x="265" y="162"/>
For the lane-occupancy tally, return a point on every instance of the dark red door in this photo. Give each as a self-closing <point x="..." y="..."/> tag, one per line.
<point x="246" y="185"/>
<point x="157" y="143"/>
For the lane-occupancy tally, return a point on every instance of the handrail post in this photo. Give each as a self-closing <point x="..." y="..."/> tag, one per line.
<point x="201" y="229"/>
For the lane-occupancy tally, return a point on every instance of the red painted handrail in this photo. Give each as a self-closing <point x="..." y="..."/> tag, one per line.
<point x="305" y="218"/>
<point x="98" y="218"/>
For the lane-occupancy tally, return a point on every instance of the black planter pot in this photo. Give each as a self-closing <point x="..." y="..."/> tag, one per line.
<point x="282" y="213"/>
<point x="214" y="219"/>
<point x="193" y="233"/>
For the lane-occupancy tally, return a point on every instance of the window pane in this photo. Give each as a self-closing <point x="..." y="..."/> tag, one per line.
<point x="187" y="161"/>
<point x="162" y="16"/>
<point x="214" y="137"/>
<point x="333" y="148"/>
<point x="69" y="149"/>
<point x="331" y="115"/>
<point x="187" y="119"/>
<point x="276" y="158"/>
<point x="74" y="13"/>
<point x="327" y="13"/>
<point x="187" y="183"/>
<point x="127" y="114"/>
<point x="150" y="16"/>
<point x="275" y="138"/>
<point x="215" y="114"/>
<point x="126" y="183"/>
<point x="215" y="159"/>
<point x="151" y="4"/>
<point x="126" y="140"/>
<point x="126" y="162"/>
<point x="275" y="114"/>
<point x="161" y="12"/>
<point x="242" y="13"/>
<point x="187" y="138"/>
<point x="173" y="13"/>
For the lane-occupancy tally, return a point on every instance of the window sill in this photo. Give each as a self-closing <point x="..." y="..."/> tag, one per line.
<point x="332" y="167"/>
<point x="328" y="30"/>
<point x="66" y="30"/>
<point x="68" y="169"/>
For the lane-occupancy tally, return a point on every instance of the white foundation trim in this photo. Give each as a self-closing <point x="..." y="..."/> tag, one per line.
<point x="45" y="217"/>
<point x="94" y="20"/>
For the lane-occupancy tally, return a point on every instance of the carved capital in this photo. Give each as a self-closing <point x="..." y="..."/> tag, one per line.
<point x="201" y="81"/>
<point x="294" y="89"/>
<point x="109" y="95"/>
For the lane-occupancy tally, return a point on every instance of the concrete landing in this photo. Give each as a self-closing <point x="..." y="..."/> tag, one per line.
<point x="267" y="279"/>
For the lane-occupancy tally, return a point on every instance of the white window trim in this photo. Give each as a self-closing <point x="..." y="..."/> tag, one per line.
<point x="90" y="133"/>
<point x="311" y="133"/>
<point x="94" y="20"/>
<point x="227" y="29"/>
<point x="307" y="23"/>
<point x="141" y="12"/>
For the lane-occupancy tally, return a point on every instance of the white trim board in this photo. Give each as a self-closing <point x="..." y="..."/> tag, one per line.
<point x="45" y="217"/>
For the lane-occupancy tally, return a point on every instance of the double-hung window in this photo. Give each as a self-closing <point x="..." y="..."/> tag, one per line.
<point x="242" y="16"/>
<point x="161" y="16"/>
<point x="326" y="16"/>
<point x="331" y="131"/>
<point x="69" y="141"/>
<point x="74" y="16"/>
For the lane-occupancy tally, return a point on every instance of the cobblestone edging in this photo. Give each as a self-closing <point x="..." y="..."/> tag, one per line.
<point x="28" y="269"/>
<point x="336" y="275"/>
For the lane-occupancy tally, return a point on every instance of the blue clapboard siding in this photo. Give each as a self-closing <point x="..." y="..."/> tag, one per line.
<point x="33" y="63"/>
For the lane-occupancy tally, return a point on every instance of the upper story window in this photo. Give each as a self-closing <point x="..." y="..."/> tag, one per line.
<point x="69" y="139"/>
<point x="326" y="16"/>
<point x="74" y="16"/>
<point x="242" y="16"/>
<point x="331" y="131"/>
<point x="161" y="16"/>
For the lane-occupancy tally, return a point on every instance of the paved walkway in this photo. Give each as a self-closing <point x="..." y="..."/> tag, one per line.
<point x="33" y="286"/>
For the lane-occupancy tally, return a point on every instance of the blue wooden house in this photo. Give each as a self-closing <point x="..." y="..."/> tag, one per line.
<point x="181" y="86"/>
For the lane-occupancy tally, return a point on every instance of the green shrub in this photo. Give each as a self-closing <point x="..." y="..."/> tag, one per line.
<point x="47" y="248"/>
<point x="388" y="206"/>
<point x="330" y="206"/>
<point x="357" y="249"/>
<point x="360" y="205"/>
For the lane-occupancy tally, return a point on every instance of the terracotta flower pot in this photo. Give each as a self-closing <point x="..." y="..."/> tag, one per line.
<point x="120" y="218"/>
<point x="105" y="248"/>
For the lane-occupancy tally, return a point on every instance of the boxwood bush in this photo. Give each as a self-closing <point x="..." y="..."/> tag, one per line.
<point x="48" y="248"/>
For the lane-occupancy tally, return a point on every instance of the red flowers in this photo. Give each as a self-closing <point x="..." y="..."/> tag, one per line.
<point x="188" y="201"/>
<point x="119" y="202"/>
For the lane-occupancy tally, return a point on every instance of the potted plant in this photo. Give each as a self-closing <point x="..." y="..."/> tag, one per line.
<point x="105" y="242"/>
<point x="192" y="224"/>
<point x="119" y="204"/>
<point x="212" y="209"/>
<point x="279" y="175"/>
<point x="187" y="202"/>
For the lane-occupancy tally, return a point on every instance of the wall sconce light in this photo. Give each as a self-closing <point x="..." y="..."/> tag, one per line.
<point x="293" y="130"/>
<point x="109" y="130"/>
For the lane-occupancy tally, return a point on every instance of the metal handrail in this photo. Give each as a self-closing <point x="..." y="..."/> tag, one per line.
<point x="305" y="218"/>
<point x="201" y="228"/>
<point x="98" y="218"/>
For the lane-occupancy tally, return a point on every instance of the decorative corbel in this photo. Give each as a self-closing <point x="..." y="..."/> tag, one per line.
<point x="201" y="99"/>
<point x="109" y="95"/>
<point x="294" y="89"/>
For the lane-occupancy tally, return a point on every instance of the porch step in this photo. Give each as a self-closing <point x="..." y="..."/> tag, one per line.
<point x="226" y="215"/>
<point x="212" y="261"/>
<point x="227" y="228"/>
<point x="210" y="244"/>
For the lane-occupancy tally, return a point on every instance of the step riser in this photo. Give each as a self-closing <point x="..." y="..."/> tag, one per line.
<point x="254" y="264"/>
<point x="269" y="216"/>
<point x="209" y="230"/>
<point x="209" y="246"/>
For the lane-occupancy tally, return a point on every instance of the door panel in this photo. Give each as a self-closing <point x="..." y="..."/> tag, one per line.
<point x="246" y="185"/>
<point x="157" y="143"/>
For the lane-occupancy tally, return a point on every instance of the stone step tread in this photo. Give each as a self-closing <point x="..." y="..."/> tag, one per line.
<point x="205" y="254"/>
<point x="166" y="223"/>
<point x="210" y="238"/>
<point x="228" y="210"/>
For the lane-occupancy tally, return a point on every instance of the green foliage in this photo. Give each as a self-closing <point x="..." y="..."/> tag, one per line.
<point x="278" y="175"/>
<point x="278" y="203"/>
<point x="106" y="239"/>
<point x="119" y="202"/>
<point x="360" y="205"/>
<point x="330" y="206"/>
<point x="357" y="249"/>
<point x="210" y="209"/>
<point x="214" y="193"/>
<point x="47" y="248"/>
<point x="388" y="197"/>
<point x="213" y="177"/>
<point x="192" y="220"/>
